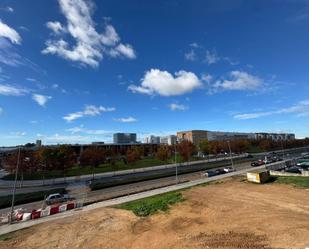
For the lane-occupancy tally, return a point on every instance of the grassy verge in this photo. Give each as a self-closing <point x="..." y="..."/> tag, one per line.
<point x="6" y="201"/>
<point x="153" y="204"/>
<point x="297" y="181"/>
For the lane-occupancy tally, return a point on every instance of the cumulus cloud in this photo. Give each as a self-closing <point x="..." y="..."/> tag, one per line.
<point x="10" y="90"/>
<point x="301" y="109"/>
<point x="89" y="110"/>
<point x="125" y="120"/>
<point x="239" y="80"/>
<point x="177" y="107"/>
<point x="90" y="45"/>
<point x="164" y="83"/>
<point x="41" y="99"/>
<point x="9" y="33"/>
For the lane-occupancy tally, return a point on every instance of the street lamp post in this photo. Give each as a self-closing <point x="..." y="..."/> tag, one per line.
<point x="176" y="166"/>
<point x="14" y="187"/>
<point x="228" y="142"/>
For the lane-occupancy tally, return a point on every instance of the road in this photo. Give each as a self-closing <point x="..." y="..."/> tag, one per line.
<point x="127" y="189"/>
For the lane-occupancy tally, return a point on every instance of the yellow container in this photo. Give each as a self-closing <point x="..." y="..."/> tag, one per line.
<point x="258" y="177"/>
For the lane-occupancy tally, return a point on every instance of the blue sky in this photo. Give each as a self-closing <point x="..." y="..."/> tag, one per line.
<point x="79" y="70"/>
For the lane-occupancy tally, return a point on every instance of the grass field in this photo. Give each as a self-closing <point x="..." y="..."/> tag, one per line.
<point x="297" y="181"/>
<point x="151" y="205"/>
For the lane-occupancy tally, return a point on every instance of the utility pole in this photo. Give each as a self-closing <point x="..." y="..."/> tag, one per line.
<point x="14" y="187"/>
<point x="282" y="150"/>
<point x="176" y="163"/>
<point x="228" y="142"/>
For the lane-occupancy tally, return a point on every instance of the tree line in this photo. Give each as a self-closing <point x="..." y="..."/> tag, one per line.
<point x="64" y="157"/>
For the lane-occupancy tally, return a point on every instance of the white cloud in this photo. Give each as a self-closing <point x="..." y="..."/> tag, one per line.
<point x="31" y="79"/>
<point x="164" y="83"/>
<point x="8" y="9"/>
<point x="190" y="56"/>
<point x="177" y="107"/>
<point x="89" y="110"/>
<point x="239" y="80"/>
<point x="252" y="115"/>
<point x="81" y="129"/>
<point x="123" y="50"/>
<point x="90" y="45"/>
<point x="211" y="57"/>
<point x="9" y="33"/>
<point x="207" y="78"/>
<point x="126" y="120"/>
<point x="10" y="90"/>
<point x="56" y="27"/>
<point x="1" y="110"/>
<point x="41" y="99"/>
<point x="58" y="138"/>
<point x="194" y="45"/>
<point x="301" y="109"/>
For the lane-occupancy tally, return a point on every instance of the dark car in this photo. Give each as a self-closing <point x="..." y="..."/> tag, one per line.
<point x="257" y="163"/>
<point x="220" y="171"/>
<point x="210" y="173"/>
<point x="293" y="169"/>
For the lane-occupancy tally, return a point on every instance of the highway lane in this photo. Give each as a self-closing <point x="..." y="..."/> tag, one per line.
<point x="122" y="190"/>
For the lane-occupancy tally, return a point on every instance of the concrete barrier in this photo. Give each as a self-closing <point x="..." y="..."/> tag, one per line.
<point x="283" y="173"/>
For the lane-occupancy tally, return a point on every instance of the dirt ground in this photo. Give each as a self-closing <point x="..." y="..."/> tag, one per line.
<point x="232" y="214"/>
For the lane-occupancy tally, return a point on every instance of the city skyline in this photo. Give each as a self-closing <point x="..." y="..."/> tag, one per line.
<point x="83" y="70"/>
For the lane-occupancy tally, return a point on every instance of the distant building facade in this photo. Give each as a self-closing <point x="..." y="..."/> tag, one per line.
<point x="152" y="140"/>
<point x="169" y="140"/>
<point x="124" y="138"/>
<point x="275" y="136"/>
<point x="196" y="136"/>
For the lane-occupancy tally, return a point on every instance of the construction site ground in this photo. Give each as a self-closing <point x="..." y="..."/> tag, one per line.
<point x="230" y="214"/>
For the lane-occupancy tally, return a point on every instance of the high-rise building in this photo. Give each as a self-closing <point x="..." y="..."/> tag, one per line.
<point x="152" y="139"/>
<point x="170" y="140"/>
<point x="38" y="143"/>
<point x="124" y="138"/>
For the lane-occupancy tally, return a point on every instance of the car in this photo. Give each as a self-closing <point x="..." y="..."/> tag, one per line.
<point x="229" y="169"/>
<point x="257" y="163"/>
<point x="220" y="171"/>
<point x="294" y="169"/>
<point x="57" y="198"/>
<point x="210" y="173"/>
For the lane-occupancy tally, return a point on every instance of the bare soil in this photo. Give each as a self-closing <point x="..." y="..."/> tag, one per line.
<point x="229" y="215"/>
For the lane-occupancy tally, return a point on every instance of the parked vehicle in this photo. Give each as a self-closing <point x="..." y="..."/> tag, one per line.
<point x="294" y="169"/>
<point x="57" y="198"/>
<point x="229" y="169"/>
<point x="210" y="173"/>
<point x="220" y="171"/>
<point x="257" y="163"/>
